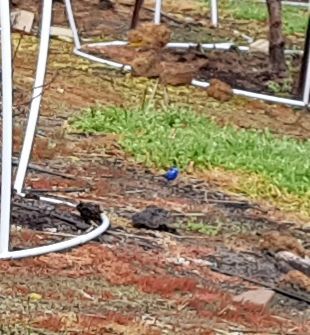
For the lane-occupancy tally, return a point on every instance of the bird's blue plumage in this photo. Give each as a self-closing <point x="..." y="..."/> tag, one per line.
<point x="171" y="174"/>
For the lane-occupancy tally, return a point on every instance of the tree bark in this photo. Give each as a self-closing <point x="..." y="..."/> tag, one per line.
<point x="276" y="39"/>
<point x="135" y="15"/>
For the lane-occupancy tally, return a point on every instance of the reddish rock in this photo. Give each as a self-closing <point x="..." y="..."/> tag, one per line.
<point x="146" y="64"/>
<point x="176" y="73"/>
<point x="219" y="90"/>
<point x="149" y="36"/>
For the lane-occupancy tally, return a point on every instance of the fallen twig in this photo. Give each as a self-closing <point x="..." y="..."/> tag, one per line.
<point x="56" y="190"/>
<point x="252" y="331"/>
<point x="15" y="162"/>
<point x="57" y="234"/>
<point x="259" y="283"/>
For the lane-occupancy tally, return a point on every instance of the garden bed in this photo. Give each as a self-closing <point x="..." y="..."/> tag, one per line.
<point x="241" y="70"/>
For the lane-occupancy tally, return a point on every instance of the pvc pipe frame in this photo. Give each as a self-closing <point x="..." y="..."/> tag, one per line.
<point x="7" y="139"/>
<point x="214" y="13"/>
<point x="291" y="3"/>
<point x="77" y="50"/>
<point x="7" y="125"/>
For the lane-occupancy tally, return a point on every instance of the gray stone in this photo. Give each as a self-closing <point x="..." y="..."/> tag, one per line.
<point x="261" y="296"/>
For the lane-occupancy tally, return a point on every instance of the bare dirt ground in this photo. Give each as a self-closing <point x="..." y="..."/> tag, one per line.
<point x="134" y="279"/>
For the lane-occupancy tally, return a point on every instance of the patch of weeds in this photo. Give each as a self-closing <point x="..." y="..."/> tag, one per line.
<point x="178" y="136"/>
<point x="278" y="88"/>
<point x="204" y="228"/>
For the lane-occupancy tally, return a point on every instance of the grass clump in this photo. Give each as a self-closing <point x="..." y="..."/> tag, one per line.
<point x="203" y="228"/>
<point x="178" y="136"/>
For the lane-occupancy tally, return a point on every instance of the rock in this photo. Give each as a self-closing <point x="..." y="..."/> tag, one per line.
<point x="149" y="36"/>
<point x="219" y="90"/>
<point x="154" y="218"/>
<point x="305" y="122"/>
<point x="260" y="45"/>
<point x="261" y="297"/>
<point x="275" y="242"/>
<point x="106" y="4"/>
<point x="296" y="279"/>
<point x="22" y="20"/>
<point x="146" y="64"/>
<point x="297" y="262"/>
<point x="176" y="73"/>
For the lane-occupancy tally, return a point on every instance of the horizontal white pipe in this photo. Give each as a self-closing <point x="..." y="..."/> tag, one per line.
<point x="185" y="45"/>
<point x="51" y="200"/>
<point x="198" y="83"/>
<point x="102" y="60"/>
<point x="7" y="125"/>
<point x="253" y="95"/>
<point x="60" y="245"/>
<point x="106" y="44"/>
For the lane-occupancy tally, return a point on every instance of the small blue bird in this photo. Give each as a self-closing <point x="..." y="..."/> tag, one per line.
<point x="171" y="174"/>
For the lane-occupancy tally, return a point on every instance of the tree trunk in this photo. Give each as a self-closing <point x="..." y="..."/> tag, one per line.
<point x="276" y="39"/>
<point x="135" y="15"/>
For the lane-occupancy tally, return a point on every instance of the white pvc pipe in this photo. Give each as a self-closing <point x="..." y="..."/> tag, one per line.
<point x="199" y="83"/>
<point x="214" y="13"/>
<point x="157" y="13"/>
<point x="102" y="60"/>
<point x="204" y="84"/>
<point x="51" y="200"/>
<point x="7" y="125"/>
<point x="106" y="44"/>
<point x="36" y="96"/>
<point x="195" y="82"/>
<point x="7" y="135"/>
<point x="185" y="45"/>
<point x="306" y="93"/>
<point x="60" y="245"/>
<point x="72" y="24"/>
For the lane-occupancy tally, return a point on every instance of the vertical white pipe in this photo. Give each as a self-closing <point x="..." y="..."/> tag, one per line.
<point x="306" y="96"/>
<point x="72" y="24"/>
<point x="7" y="126"/>
<point x="157" y="13"/>
<point x="214" y="13"/>
<point x="36" y="96"/>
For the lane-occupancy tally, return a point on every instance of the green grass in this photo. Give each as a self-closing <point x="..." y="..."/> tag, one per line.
<point x="295" y="18"/>
<point x="178" y="136"/>
<point x="203" y="228"/>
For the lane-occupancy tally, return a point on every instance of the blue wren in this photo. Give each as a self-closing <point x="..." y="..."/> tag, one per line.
<point x="171" y="174"/>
